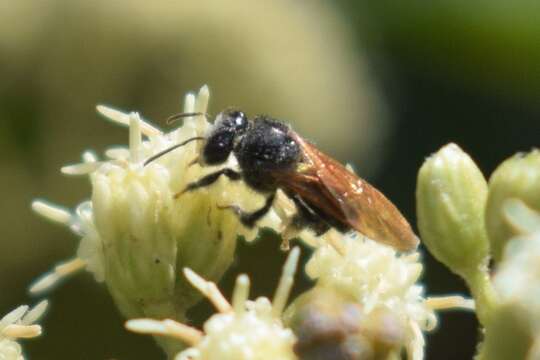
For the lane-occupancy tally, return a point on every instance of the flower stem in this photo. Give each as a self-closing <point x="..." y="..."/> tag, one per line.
<point x="483" y="292"/>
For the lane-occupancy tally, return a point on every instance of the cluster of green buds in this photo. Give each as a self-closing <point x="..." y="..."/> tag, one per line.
<point x="466" y="221"/>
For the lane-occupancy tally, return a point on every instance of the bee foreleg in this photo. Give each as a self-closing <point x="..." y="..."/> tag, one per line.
<point x="249" y="219"/>
<point x="210" y="179"/>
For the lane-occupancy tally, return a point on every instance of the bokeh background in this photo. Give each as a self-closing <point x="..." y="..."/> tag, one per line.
<point x="378" y="84"/>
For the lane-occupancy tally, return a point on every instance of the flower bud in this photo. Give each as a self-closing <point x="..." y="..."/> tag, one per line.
<point x="515" y="324"/>
<point x="451" y="196"/>
<point x="517" y="177"/>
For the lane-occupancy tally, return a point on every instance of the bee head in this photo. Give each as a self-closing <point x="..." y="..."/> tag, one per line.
<point x="229" y="125"/>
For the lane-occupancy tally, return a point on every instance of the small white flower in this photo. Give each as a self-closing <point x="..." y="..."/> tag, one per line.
<point x="378" y="278"/>
<point x="19" y="324"/>
<point x="136" y="234"/>
<point x="243" y="330"/>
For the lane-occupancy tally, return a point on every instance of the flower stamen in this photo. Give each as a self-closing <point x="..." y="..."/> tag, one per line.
<point x="121" y="118"/>
<point x="450" y="302"/>
<point x="286" y="282"/>
<point x="135" y="137"/>
<point x="54" y="213"/>
<point x="60" y="272"/>
<point x="209" y="290"/>
<point x="171" y="328"/>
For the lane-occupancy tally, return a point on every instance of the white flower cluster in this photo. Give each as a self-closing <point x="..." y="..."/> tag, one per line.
<point x="19" y="324"/>
<point x="243" y="330"/>
<point x="136" y="234"/>
<point x="378" y="278"/>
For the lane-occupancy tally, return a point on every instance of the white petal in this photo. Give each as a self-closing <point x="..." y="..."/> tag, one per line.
<point x="240" y="294"/>
<point x="16" y="331"/>
<point x="286" y="282"/>
<point x="35" y="313"/>
<point x="81" y="169"/>
<point x="123" y="118"/>
<point x="117" y="153"/>
<point x="135" y="137"/>
<point x="208" y="289"/>
<point x="14" y="316"/>
<point x="52" y="212"/>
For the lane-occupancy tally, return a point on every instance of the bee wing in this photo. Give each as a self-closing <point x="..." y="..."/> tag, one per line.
<point x="309" y="187"/>
<point x="354" y="200"/>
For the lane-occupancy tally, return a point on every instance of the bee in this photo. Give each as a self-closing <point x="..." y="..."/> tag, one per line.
<point x="272" y="156"/>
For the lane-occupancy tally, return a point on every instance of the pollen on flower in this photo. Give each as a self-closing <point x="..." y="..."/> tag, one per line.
<point x="242" y="329"/>
<point x="19" y="324"/>
<point x="378" y="279"/>
<point x="135" y="234"/>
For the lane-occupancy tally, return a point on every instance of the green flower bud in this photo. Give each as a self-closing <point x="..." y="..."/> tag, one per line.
<point x="451" y="196"/>
<point x="517" y="177"/>
<point x="512" y="331"/>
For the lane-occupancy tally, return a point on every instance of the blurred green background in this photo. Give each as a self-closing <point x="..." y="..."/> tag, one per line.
<point x="378" y="84"/>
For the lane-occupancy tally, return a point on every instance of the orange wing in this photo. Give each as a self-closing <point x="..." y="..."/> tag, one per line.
<point x="327" y="184"/>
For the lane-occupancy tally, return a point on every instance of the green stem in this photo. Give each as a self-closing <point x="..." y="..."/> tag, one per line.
<point x="483" y="293"/>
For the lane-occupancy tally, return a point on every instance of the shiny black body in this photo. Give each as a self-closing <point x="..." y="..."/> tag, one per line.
<point x="264" y="148"/>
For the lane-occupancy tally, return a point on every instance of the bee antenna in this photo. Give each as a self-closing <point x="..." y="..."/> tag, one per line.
<point x="173" y="118"/>
<point x="169" y="149"/>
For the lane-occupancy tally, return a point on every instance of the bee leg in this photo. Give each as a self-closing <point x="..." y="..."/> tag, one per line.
<point x="209" y="180"/>
<point x="249" y="219"/>
<point x="289" y="232"/>
<point x="308" y="217"/>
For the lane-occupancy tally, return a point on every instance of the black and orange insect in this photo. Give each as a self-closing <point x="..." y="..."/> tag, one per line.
<point x="272" y="156"/>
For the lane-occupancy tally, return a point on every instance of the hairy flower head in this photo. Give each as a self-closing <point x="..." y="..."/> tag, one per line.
<point x="19" y="324"/>
<point x="241" y="330"/>
<point x="375" y="282"/>
<point x="136" y="234"/>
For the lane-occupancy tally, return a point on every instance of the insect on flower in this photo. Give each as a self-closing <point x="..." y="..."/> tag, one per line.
<point x="272" y="156"/>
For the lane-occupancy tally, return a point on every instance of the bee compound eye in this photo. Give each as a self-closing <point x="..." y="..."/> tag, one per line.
<point x="234" y="119"/>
